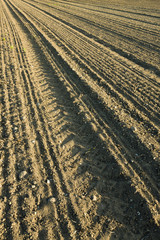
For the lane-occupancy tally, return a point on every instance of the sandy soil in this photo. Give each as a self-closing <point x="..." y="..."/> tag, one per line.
<point x="80" y="118"/>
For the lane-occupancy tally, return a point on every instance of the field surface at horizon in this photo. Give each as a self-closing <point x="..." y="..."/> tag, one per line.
<point x="80" y="120"/>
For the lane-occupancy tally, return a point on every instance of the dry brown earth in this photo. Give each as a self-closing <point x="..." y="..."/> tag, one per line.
<point x="80" y="120"/>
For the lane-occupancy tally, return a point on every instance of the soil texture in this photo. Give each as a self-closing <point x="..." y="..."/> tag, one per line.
<point x="80" y="120"/>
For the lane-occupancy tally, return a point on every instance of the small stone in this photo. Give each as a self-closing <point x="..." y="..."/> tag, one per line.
<point x="133" y="128"/>
<point x="94" y="198"/>
<point x="33" y="186"/>
<point x="22" y="174"/>
<point x="74" y="233"/>
<point x="33" y="141"/>
<point x="52" y="200"/>
<point x="15" y="129"/>
<point x="48" y="181"/>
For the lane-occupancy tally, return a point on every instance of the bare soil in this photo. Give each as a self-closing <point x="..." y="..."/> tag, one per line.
<point x="80" y="120"/>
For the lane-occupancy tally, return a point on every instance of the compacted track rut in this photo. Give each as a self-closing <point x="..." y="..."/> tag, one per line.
<point x="79" y="132"/>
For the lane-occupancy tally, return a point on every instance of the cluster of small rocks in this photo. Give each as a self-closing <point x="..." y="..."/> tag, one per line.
<point x="24" y="173"/>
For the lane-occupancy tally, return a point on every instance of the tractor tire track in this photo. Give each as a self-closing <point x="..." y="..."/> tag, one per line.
<point x="121" y="76"/>
<point x="41" y="147"/>
<point x="136" y="144"/>
<point x="61" y="151"/>
<point x="116" y="133"/>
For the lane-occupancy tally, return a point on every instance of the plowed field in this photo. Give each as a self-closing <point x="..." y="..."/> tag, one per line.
<point x="80" y="121"/>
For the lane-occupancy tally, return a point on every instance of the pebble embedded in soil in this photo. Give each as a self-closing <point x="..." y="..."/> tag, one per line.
<point x="15" y="129"/>
<point x="133" y="128"/>
<point x="94" y="198"/>
<point x="22" y="174"/>
<point x="48" y="181"/>
<point x="51" y="200"/>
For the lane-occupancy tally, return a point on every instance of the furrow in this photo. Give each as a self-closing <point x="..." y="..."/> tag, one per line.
<point x="105" y="35"/>
<point x="71" y="211"/>
<point x="26" y="210"/>
<point x="136" y="141"/>
<point x="121" y="76"/>
<point x="100" y="21"/>
<point x="43" y="146"/>
<point x="108" y="10"/>
<point x="81" y="139"/>
<point x="121" y="163"/>
<point x="9" y="174"/>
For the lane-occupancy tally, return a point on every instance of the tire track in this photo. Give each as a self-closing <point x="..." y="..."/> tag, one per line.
<point x="22" y="212"/>
<point x="125" y="80"/>
<point x="147" y="124"/>
<point x="14" y="119"/>
<point x="69" y="82"/>
<point x="121" y="163"/>
<point x="9" y="134"/>
<point x="140" y="108"/>
<point x="43" y="149"/>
